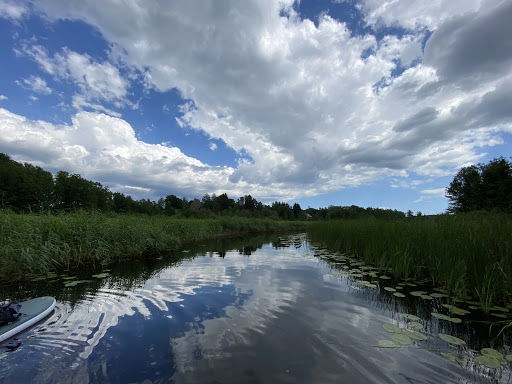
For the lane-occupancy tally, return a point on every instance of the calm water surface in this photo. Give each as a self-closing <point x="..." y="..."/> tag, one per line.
<point x="263" y="310"/>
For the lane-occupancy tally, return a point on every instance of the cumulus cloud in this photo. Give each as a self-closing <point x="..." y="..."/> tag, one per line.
<point x="12" y="10"/>
<point x="35" y="84"/>
<point x="97" y="82"/>
<point x="105" y="148"/>
<point x="3" y="97"/>
<point x="303" y="100"/>
<point x="429" y="194"/>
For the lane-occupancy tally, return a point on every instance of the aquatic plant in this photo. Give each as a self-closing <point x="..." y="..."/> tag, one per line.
<point x="466" y="254"/>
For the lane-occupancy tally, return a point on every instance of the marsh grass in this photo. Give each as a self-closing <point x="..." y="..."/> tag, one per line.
<point x="468" y="254"/>
<point x="33" y="244"/>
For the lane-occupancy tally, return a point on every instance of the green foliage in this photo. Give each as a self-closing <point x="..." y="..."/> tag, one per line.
<point x="37" y="244"/>
<point x="468" y="253"/>
<point x="482" y="187"/>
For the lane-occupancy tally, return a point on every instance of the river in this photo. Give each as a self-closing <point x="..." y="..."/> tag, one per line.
<point x="273" y="309"/>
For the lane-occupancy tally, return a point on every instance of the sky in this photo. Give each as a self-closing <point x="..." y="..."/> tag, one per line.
<point x="321" y="102"/>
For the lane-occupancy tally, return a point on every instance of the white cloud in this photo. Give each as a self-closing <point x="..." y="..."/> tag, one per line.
<point x="429" y="194"/>
<point x="105" y="149"/>
<point x="212" y="146"/>
<point x="12" y="10"/>
<point x="415" y="14"/>
<point x="35" y="84"/>
<point x="3" y="97"/>
<point x="300" y="98"/>
<point x="97" y="82"/>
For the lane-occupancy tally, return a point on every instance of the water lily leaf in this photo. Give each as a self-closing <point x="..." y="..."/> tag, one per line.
<point x="452" y="357"/>
<point x="69" y="278"/>
<point x="451" y="339"/>
<point x="388" y="344"/>
<point x="41" y="278"/>
<point x="416" y="325"/>
<point x="474" y="307"/>
<point x="456" y="310"/>
<point x="494" y="353"/>
<point x="417" y="293"/>
<point x="399" y="287"/>
<point x="426" y="297"/>
<point x="411" y="284"/>
<point x="440" y="316"/>
<point x="508" y="357"/>
<point x="101" y="275"/>
<point x="389" y="289"/>
<point x="398" y="294"/>
<point x="438" y="295"/>
<point x="401" y="339"/>
<point x="500" y="315"/>
<point x="488" y="361"/>
<point x="411" y="317"/>
<point x="391" y="328"/>
<point x="499" y="309"/>
<point x="384" y="277"/>
<point x="71" y="284"/>
<point x="415" y="335"/>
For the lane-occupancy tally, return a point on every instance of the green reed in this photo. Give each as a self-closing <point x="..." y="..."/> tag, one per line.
<point x="33" y="244"/>
<point x="468" y="254"/>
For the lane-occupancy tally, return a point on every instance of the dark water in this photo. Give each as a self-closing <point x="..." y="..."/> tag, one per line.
<point x="261" y="310"/>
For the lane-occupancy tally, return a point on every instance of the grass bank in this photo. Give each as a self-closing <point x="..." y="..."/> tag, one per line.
<point x="33" y="244"/>
<point x="469" y="254"/>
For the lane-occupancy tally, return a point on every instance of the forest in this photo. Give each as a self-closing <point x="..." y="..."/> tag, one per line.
<point x="28" y="188"/>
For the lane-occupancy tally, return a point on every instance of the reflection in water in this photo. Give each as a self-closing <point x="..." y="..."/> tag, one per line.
<point x="270" y="311"/>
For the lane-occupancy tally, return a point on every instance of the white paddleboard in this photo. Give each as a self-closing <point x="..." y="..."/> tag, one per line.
<point x="32" y="311"/>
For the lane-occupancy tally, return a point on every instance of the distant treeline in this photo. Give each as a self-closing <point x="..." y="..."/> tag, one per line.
<point x="28" y="188"/>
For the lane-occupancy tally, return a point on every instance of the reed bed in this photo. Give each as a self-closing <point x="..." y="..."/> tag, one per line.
<point x="32" y="244"/>
<point x="468" y="254"/>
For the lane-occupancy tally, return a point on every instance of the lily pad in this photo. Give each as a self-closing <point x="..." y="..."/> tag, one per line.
<point x="384" y="277"/>
<point x="71" y="284"/>
<point x="438" y="295"/>
<point x="417" y="293"/>
<point x="391" y="328"/>
<point x="388" y="344"/>
<point x="401" y="339"/>
<point x="411" y="317"/>
<point x="101" y="275"/>
<point x="451" y="339"/>
<point x="398" y="294"/>
<point x="494" y="353"/>
<point x="452" y="357"/>
<point x="499" y="309"/>
<point x="415" y="325"/>
<point x="426" y="297"/>
<point x="456" y="310"/>
<point x="508" y="357"/>
<point x="415" y="335"/>
<point x="69" y="278"/>
<point x="500" y="315"/>
<point x="389" y="289"/>
<point x="488" y="361"/>
<point x="399" y="287"/>
<point x="440" y="316"/>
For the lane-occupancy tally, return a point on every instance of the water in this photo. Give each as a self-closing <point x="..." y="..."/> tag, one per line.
<point x="249" y="311"/>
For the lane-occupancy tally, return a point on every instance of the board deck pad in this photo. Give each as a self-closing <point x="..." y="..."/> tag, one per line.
<point x="32" y="311"/>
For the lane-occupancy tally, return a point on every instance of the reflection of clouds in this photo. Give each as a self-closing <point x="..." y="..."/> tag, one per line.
<point x="270" y="295"/>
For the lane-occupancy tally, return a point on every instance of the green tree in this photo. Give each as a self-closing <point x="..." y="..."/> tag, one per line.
<point x="482" y="187"/>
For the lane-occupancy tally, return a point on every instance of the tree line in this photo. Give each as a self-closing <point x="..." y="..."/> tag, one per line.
<point x="28" y="188"/>
<point x="482" y="187"/>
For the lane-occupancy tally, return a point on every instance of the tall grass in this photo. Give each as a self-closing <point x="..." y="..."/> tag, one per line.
<point x="469" y="254"/>
<point x="36" y="244"/>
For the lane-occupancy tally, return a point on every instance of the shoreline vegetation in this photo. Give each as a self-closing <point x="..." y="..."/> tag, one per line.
<point x="34" y="245"/>
<point x="469" y="255"/>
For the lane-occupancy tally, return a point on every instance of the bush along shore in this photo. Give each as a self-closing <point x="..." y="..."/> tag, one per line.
<point x="468" y="255"/>
<point x="35" y="245"/>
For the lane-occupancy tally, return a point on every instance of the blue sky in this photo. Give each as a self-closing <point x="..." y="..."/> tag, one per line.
<point x="365" y="102"/>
